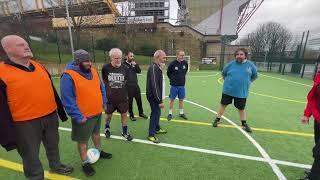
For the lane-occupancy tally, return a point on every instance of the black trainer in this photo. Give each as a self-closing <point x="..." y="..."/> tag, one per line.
<point x="88" y="169"/>
<point x="127" y="136"/>
<point x="246" y="128"/>
<point x="307" y="172"/>
<point x="169" y="117"/>
<point x="107" y="133"/>
<point x="306" y="178"/>
<point x="105" y="155"/>
<point x="62" y="169"/>
<point x="183" y="116"/>
<point x="215" y="123"/>
<point x="132" y="118"/>
<point x="143" y="116"/>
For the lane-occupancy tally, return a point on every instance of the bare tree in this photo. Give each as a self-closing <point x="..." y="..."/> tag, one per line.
<point x="80" y="22"/>
<point x="271" y="38"/>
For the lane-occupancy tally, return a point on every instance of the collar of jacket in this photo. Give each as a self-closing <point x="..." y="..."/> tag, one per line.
<point x="30" y="69"/>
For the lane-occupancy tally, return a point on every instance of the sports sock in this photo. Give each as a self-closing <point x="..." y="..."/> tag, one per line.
<point x="125" y="129"/>
<point x="107" y="126"/>
<point x="243" y="122"/>
<point x="85" y="161"/>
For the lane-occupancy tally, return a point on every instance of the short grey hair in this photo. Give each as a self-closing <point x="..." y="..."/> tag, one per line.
<point x="115" y="51"/>
<point x="4" y="40"/>
<point x="157" y="53"/>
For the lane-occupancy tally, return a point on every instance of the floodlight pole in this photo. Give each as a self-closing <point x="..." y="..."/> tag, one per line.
<point x="69" y="27"/>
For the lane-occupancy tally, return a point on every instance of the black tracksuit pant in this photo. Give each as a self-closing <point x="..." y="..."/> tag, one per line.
<point x="134" y="92"/>
<point x="315" y="170"/>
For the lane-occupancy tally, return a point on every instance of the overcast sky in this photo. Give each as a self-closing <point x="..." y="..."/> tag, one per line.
<point x="296" y="15"/>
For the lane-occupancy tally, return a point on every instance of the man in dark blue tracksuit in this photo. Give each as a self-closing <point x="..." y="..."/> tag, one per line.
<point x="176" y="72"/>
<point x="154" y="95"/>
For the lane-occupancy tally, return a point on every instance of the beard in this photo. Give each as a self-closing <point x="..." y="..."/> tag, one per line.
<point x="85" y="69"/>
<point x="240" y="60"/>
<point x="117" y="64"/>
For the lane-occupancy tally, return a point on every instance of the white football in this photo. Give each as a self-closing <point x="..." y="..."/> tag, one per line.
<point x="93" y="155"/>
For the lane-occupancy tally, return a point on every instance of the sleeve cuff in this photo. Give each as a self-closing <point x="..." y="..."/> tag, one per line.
<point x="78" y="118"/>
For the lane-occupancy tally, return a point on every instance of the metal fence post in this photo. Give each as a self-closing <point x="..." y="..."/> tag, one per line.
<point x="283" y="69"/>
<point x="58" y="46"/>
<point x="302" y="72"/>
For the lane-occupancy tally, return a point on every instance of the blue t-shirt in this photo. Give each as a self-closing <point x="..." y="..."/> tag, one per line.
<point x="238" y="77"/>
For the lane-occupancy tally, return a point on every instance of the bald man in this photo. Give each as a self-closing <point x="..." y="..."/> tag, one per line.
<point x="32" y="105"/>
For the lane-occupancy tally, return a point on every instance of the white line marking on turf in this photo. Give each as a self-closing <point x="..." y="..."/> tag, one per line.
<point x="206" y="151"/>
<point x="211" y="75"/>
<point x="264" y="154"/>
<point x="285" y="80"/>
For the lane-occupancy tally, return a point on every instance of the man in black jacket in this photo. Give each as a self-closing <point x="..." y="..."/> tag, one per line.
<point x="154" y="94"/>
<point x="176" y="72"/>
<point x="31" y="106"/>
<point x="133" y="86"/>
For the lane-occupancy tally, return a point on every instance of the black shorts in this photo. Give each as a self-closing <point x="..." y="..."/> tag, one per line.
<point x="120" y="107"/>
<point x="239" y="103"/>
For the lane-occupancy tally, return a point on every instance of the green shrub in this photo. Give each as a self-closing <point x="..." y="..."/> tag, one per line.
<point x="106" y="44"/>
<point x="147" y="49"/>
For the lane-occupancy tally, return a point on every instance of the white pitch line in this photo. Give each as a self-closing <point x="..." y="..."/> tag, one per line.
<point x="211" y="75"/>
<point x="264" y="154"/>
<point x="286" y="80"/>
<point x="205" y="151"/>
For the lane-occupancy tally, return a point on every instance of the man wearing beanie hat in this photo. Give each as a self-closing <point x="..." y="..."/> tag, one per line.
<point x="83" y="96"/>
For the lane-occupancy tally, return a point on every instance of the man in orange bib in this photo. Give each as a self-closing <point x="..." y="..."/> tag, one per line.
<point x="30" y="104"/>
<point x="84" y="96"/>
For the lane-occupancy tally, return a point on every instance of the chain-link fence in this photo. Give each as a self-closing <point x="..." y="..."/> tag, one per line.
<point x="294" y="69"/>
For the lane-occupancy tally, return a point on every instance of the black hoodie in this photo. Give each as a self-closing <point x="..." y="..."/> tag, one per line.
<point x="133" y="70"/>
